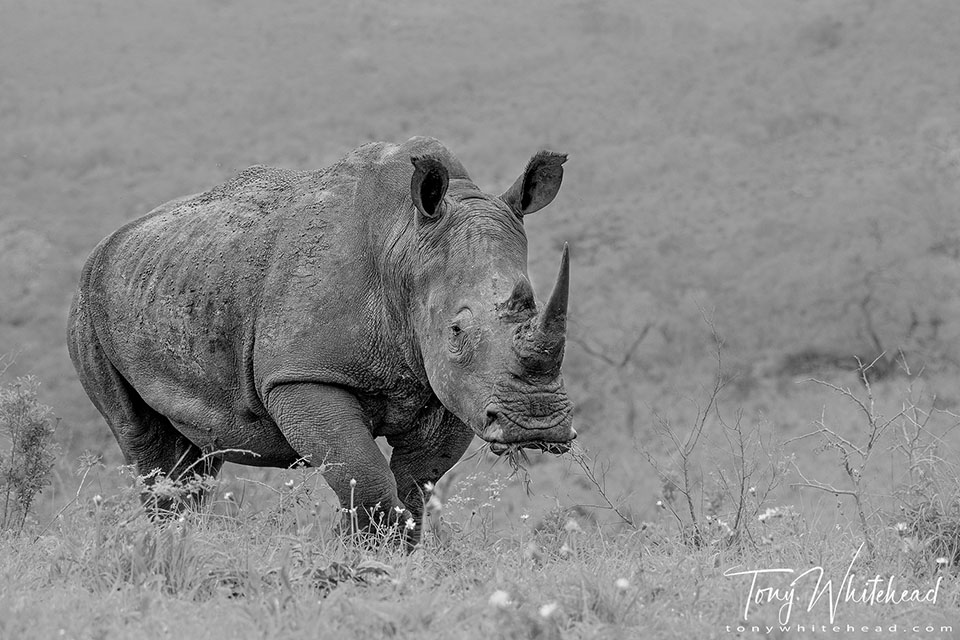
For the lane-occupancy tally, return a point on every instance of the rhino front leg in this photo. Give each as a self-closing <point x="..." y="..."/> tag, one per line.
<point x="326" y="425"/>
<point x="423" y="455"/>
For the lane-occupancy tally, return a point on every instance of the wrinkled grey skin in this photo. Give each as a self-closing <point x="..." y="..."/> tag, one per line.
<point x="300" y="314"/>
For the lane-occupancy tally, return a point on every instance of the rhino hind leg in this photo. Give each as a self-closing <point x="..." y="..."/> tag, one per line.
<point x="151" y="443"/>
<point x="147" y="438"/>
<point x="154" y="446"/>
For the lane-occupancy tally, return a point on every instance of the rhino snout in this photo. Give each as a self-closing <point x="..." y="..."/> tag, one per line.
<point x="552" y="431"/>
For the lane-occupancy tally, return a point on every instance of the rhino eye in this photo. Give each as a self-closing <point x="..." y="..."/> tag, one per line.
<point x="457" y="335"/>
<point x="457" y="343"/>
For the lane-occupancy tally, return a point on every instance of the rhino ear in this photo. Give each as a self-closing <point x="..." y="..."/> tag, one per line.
<point x="428" y="185"/>
<point x="538" y="185"/>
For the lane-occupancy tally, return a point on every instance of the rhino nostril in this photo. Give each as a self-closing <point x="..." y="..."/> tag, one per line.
<point x="492" y="429"/>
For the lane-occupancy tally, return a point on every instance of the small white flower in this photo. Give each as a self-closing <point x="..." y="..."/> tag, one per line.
<point x="228" y="496"/>
<point x="565" y="551"/>
<point x="752" y="490"/>
<point x="769" y="513"/>
<point x="660" y="503"/>
<point x="500" y="599"/>
<point x="428" y="487"/>
<point x="572" y="526"/>
<point x="353" y="482"/>
<point x="548" y="609"/>
<point x="622" y="584"/>
<point x="288" y="484"/>
<point x="943" y="561"/>
<point x="524" y="517"/>
<point x="410" y="525"/>
<point x="901" y="528"/>
<point x="98" y="500"/>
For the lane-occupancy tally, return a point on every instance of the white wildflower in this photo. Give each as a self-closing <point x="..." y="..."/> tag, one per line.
<point x="660" y="503"/>
<point x="98" y="500"/>
<point x="548" y="609"/>
<point x="353" y="482"/>
<point x="524" y="517"/>
<point x="428" y="487"/>
<point x="500" y="599"/>
<point x="769" y="513"/>
<point x="572" y="526"/>
<point x="410" y="525"/>
<point x="288" y="484"/>
<point x="565" y="551"/>
<point x="943" y="561"/>
<point x="622" y="584"/>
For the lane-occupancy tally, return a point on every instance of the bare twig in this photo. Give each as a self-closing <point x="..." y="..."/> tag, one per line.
<point x="76" y="498"/>
<point x="580" y="457"/>
<point x="603" y="353"/>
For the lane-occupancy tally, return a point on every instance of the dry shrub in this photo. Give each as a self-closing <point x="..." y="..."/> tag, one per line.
<point x="25" y="469"/>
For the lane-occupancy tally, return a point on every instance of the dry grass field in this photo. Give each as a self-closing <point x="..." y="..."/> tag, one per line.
<point x="779" y="176"/>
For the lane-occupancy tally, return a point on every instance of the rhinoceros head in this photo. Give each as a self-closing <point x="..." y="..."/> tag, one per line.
<point x="491" y="355"/>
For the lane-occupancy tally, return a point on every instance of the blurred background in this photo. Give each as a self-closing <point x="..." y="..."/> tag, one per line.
<point x="787" y="169"/>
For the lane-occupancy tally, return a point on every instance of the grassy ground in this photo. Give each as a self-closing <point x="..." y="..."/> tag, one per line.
<point x="580" y="558"/>
<point x="789" y="169"/>
<point x="272" y="569"/>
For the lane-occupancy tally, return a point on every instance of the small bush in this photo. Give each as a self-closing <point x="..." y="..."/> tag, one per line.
<point x="25" y="469"/>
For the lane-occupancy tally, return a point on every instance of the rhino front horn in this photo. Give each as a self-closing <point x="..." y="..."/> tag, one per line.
<point x="542" y="350"/>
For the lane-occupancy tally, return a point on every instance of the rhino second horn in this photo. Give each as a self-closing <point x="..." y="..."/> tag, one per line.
<point x="522" y="296"/>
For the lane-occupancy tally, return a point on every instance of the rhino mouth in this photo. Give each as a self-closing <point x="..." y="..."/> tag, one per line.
<point x="557" y="448"/>
<point x="506" y="434"/>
